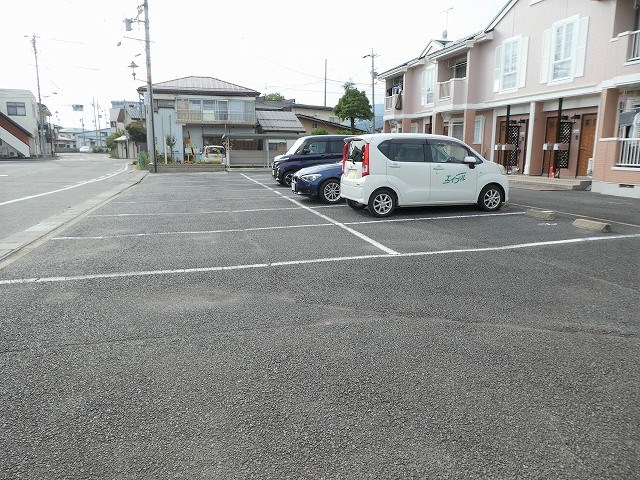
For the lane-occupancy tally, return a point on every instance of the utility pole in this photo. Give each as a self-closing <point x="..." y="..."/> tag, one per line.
<point x="373" y="92"/>
<point x="95" y="124"/>
<point x="325" y="82"/>
<point x="150" y="123"/>
<point x="40" y="109"/>
<point x="151" y="134"/>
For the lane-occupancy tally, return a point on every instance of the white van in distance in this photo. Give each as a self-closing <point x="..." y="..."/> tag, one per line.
<point x="387" y="170"/>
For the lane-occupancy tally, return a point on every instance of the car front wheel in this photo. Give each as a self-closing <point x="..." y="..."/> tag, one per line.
<point x="286" y="178"/>
<point x="382" y="203"/>
<point x="329" y="191"/>
<point x="490" y="198"/>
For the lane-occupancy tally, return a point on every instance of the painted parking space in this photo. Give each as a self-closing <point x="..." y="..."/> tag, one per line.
<point x="276" y="229"/>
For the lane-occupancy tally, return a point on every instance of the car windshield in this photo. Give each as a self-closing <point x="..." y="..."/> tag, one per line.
<point x="292" y="150"/>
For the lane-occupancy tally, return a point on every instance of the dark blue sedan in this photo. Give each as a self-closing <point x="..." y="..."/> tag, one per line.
<point x="321" y="181"/>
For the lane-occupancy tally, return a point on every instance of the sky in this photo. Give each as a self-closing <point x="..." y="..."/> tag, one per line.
<point x="273" y="47"/>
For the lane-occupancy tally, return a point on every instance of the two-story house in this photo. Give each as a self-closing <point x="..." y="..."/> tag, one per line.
<point x="19" y="124"/>
<point x="549" y="87"/>
<point x="201" y="111"/>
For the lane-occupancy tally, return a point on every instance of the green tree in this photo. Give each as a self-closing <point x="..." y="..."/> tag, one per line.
<point x="111" y="139"/>
<point x="137" y="131"/>
<point x="353" y="105"/>
<point x="170" y="140"/>
<point x="274" y="96"/>
<point x="319" y="131"/>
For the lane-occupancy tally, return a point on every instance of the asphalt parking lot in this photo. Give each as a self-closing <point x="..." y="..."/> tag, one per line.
<point x="218" y="326"/>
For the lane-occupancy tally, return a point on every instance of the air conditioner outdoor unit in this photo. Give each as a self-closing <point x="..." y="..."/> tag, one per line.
<point x="12" y="154"/>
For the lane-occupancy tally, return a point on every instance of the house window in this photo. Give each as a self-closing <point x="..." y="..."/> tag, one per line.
<point x="314" y="125"/>
<point x="16" y="108"/>
<point x="510" y="58"/>
<point x="457" y="129"/>
<point x="510" y="64"/>
<point x="428" y="85"/>
<point x="460" y="68"/>
<point x="564" y="50"/>
<point x="414" y="128"/>
<point x="478" y="130"/>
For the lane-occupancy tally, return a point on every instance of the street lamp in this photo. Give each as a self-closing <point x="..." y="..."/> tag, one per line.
<point x="373" y="94"/>
<point x="133" y="67"/>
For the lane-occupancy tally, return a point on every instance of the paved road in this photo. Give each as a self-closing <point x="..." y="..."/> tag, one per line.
<point x="213" y="326"/>
<point x="33" y="190"/>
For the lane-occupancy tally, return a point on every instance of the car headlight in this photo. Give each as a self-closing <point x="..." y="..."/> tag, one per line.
<point x="310" y="177"/>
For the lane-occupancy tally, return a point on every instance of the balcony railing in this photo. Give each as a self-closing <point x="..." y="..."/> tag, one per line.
<point x="629" y="152"/>
<point x="186" y="117"/>
<point x="634" y="46"/>
<point x="444" y="90"/>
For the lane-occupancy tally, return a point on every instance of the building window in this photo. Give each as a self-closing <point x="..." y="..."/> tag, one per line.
<point x="314" y="125"/>
<point x="510" y="64"/>
<point x="16" y="108"/>
<point x="478" y="130"/>
<point x="510" y="58"/>
<point x="428" y="85"/>
<point x="564" y="50"/>
<point x="457" y="129"/>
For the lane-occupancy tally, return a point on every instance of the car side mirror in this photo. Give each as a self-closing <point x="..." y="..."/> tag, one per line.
<point x="471" y="161"/>
<point x="306" y="151"/>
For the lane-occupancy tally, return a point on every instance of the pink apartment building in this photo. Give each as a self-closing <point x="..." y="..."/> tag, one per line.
<point x="549" y="87"/>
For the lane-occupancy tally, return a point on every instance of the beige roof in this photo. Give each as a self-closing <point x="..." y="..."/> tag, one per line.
<point x="208" y="85"/>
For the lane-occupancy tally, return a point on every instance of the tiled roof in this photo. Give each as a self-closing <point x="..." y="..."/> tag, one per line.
<point x="278" y="122"/>
<point x="201" y="85"/>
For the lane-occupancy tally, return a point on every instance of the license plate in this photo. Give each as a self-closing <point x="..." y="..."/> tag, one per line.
<point x="351" y="175"/>
<point x="293" y="186"/>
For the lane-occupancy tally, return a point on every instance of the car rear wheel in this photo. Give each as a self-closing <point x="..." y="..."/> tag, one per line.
<point x="287" y="177"/>
<point x="329" y="191"/>
<point x="382" y="203"/>
<point x="490" y="198"/>
<point x="355" y="205"/>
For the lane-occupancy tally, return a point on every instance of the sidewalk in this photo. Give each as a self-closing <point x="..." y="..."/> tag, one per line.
<point x="13" y="244"/>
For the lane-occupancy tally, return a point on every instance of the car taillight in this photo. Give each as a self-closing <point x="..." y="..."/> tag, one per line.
<point x="345" y="154"/>
<point x="365" y="159"/>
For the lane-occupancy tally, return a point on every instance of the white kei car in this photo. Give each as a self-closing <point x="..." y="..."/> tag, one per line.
<point x="386" y="170"/>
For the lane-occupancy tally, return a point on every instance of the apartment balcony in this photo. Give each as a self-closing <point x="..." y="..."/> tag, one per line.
<point x="452" y="92"/>
<point x="394" y="102"/>
<point x="629" y="153"/>
<point x="215" y="118"/>
<point x="633" y="49"/>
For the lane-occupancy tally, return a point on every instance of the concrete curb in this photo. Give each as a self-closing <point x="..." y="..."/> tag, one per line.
<point x="541" y="214"/>
<point x="12" y="244"/>
<point x="592" y="225"/>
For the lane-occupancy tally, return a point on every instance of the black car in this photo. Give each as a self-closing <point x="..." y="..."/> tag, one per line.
<point x="307" y="151"/>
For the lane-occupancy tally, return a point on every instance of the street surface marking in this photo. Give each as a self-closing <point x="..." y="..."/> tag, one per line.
<point x="282" y="227"/>
<point x="93" y="180"/>
<point x="178" y="271"/>
<point x="580" y="216"/>
<point x="208" y="212"/>
<point x="341" y="225"/>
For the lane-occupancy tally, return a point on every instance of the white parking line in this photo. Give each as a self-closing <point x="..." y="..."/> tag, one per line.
<point x="284" y="227"/>
<point x="341" y="225"/>
<point x="180" y="271"/>
<point x="210" y="211"/>
<point x="195" y="232"/>
<point x="93" y="180"/>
